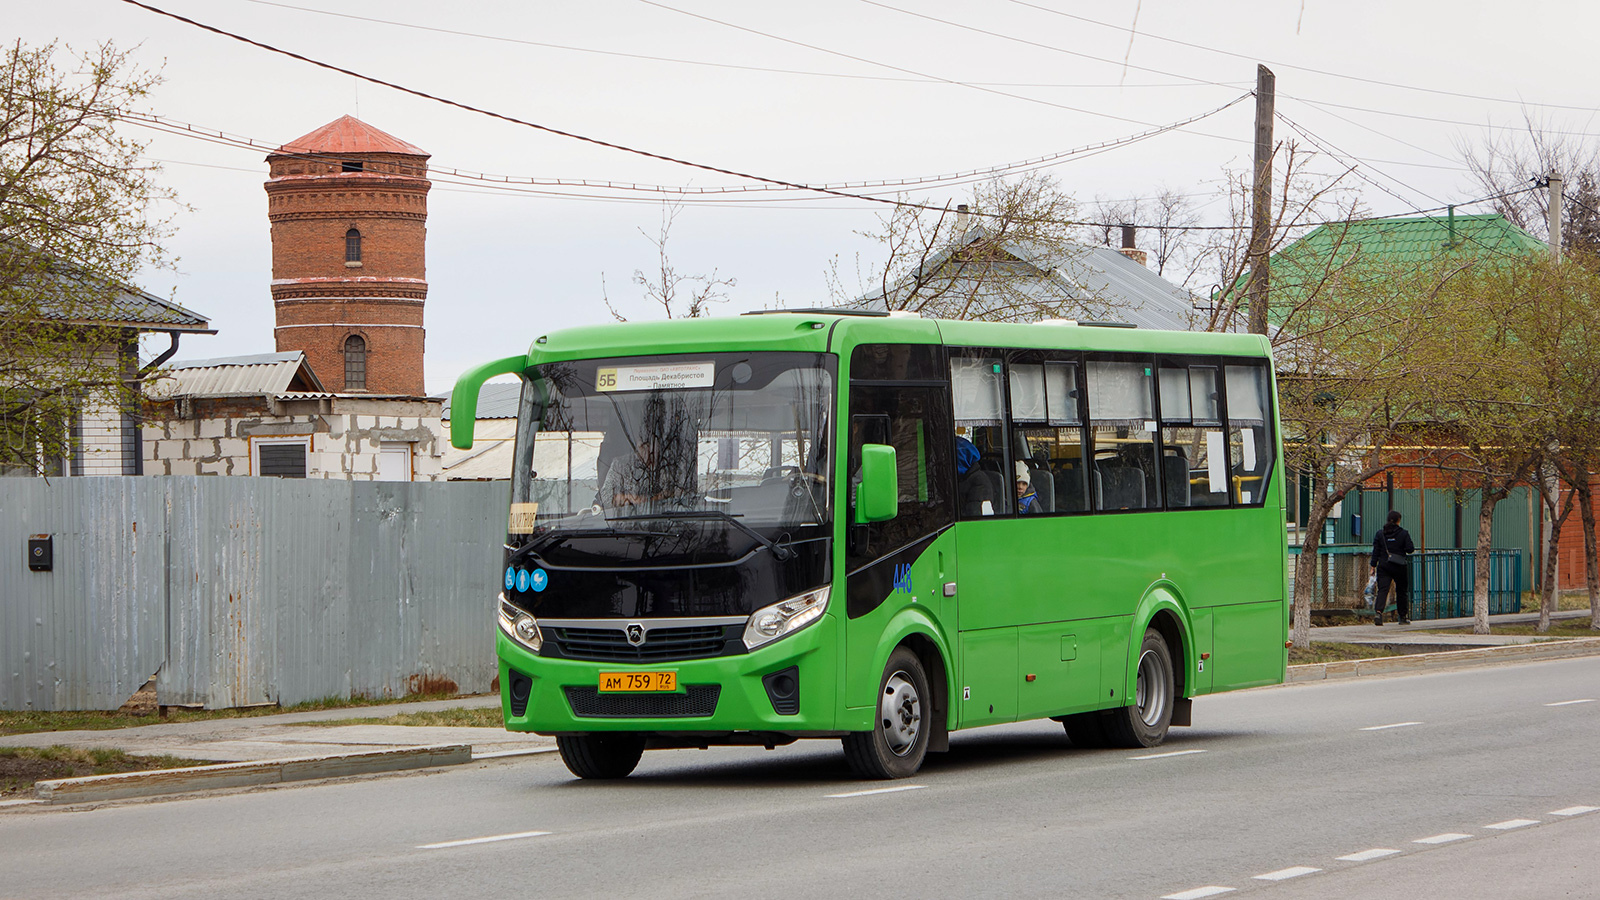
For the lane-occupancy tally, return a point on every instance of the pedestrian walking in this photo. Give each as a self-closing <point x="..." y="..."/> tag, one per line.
<point x="1391" y="564"/>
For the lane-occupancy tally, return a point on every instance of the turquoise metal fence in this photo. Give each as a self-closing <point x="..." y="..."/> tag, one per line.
<point x="1441" y="580"/>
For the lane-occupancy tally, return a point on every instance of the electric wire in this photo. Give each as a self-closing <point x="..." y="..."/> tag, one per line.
<point x="717" y="65"/>
<point x="1283" y="65"/>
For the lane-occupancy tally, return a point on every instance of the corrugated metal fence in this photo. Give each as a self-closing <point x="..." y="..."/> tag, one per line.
<point x="239" y="591"/>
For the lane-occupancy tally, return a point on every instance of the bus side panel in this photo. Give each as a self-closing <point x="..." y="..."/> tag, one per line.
<point x="1064" y="660"/>
<point x="1249" y="645"/>
<point x="1201" y="670"/>
<point x="988" y="676"/>
<point x="912" y="578"/>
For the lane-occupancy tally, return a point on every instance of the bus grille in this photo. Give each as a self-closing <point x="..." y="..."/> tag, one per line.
<point x="661" y="644"/>
<point x="699" y="700"/>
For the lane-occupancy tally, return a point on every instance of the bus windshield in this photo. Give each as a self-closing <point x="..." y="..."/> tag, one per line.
<point x="653" y="444"/>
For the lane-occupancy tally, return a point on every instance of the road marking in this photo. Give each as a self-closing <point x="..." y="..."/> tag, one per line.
<point x="1286" y="874"/>
<point x="1165" y="755"/>
<point x="1571" y="702"/>
<point x="1391" y="725"/>
<point x="1445" y="838"/>
<point x="891" y="790"/>
<point x="1374" y="853"/>
<point x="1210" y="890"/>
<point x="1509" y="824"/>
<point x="483" y="840"/>
<point x="1574" y="810"/>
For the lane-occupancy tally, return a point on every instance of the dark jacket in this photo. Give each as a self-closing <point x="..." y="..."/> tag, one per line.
<point x="1391" y="539"/>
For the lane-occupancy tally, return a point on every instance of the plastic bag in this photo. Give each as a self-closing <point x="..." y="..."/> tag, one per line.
<point x="1372" y="587"/>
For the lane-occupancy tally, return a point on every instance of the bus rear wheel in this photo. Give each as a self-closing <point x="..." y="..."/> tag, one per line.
<point x="1145" y="722"/>
<point x="601" y="755"/>
<point x="898" y="741"/>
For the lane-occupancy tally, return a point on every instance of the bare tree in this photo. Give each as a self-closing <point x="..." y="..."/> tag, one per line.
<point x="1503" y="163"/>
<point x="1167" y="224"/>
<point x="680" y="295"/>
<point x="1008" y="254"/>
<point x="79" y="219"/>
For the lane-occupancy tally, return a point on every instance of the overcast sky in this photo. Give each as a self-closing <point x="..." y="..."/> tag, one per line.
<point x="885" y="90"/>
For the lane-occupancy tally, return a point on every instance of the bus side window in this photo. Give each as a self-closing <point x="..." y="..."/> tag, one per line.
<point x="1194" y="465"/>
<point x="1249" y="433"/>
<point x="1047" y="434"/>
<point x="1123" y="423"/>
<point x="984" y="487"/>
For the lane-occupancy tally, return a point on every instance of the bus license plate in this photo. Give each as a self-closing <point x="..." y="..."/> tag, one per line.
<point x="638" y="681"/>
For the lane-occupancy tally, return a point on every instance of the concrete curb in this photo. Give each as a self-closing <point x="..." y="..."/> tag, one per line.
<point x="1451" y="659"/>
<point x="247" y="774"/>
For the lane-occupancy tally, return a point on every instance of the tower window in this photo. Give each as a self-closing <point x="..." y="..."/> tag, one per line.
<point x="352" y="246"/>
<point x="351" y="165"/>
<point x="355" y="363"/>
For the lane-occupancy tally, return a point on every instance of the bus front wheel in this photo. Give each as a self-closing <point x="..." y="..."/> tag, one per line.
<point x="1145" y="723"/>
<point x="898" y="741"/>
<point x="601" y="755"/>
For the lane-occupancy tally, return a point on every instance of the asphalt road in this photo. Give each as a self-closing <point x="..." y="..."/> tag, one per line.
<point x="1269" y="782"/>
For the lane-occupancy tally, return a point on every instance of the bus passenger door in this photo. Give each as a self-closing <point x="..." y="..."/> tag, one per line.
<point x="905" y="562"/>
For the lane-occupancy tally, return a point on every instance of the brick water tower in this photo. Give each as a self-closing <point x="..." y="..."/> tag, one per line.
<point x="349" y="210"/>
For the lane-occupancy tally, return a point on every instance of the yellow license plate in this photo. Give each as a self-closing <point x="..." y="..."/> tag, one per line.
<point x="638" y="681"/>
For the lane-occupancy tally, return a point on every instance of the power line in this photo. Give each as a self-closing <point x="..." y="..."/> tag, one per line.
<point x="708" y="63"/>
<point x="1284" y="65"/>
<point x="1422" y="118"/>
<point x="873" y="62"/>
<point x="173" y="126"/>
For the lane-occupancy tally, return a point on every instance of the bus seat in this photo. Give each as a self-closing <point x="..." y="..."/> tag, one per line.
<point x="1070" y="496"/>
<point x="1175" y="471"/>
<point x="1119" y="487"/>
<point x="1044" y="487"/>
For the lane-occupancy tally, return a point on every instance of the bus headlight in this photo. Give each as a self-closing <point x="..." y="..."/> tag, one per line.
<point x="772" y="622"/>
<point x="519" y="626"/>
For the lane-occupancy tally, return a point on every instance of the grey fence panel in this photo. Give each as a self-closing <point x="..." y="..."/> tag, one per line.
<point x="309" y="578"/>
<point x="242" y="591"/>
<point x="90" y="632"/>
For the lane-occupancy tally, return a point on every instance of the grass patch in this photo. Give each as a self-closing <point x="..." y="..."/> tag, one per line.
<point x="1333" y="651"/>
<point x="480" y="717"/>
<point x="1567" y="600"/>
<point x="20" y="767"/>
<point x="1560" y="628"/>
<point x="135" y="714"/>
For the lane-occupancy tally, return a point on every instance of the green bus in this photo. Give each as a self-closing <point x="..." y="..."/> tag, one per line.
<point x="881" y="528"/>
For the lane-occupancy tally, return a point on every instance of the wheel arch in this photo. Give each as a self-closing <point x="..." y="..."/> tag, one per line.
<point x="1162" y="609"/>
<point x="919" y="634"/>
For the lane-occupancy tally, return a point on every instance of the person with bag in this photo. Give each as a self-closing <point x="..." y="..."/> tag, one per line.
<point x="1391" y="564"/>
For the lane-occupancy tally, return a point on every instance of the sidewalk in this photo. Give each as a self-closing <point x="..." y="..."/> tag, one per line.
<point x="286" y="736"/>
<point x="1416" y="634"/>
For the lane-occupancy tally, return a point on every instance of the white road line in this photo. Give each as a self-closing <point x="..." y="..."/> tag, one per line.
<point x="1509" y="824"/>
<point x="890" y="790"/>
<point x="1571" y="702"/>
<point x="1374" y="853"/>
<point x="483" y="840"/>
<point x="1165" y="755"/>
<point x="1286" y="874"/>
<point x="1391" y="725"/>
<point x="1574" y="810"/>
<point x="1446" y="838"/>
<point x="1210" y="890"/>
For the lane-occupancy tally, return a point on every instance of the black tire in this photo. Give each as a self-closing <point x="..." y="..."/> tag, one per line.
<point x="1145" y="722"/>
<point x="898" y="741"/>
<point x="601" y="755"/>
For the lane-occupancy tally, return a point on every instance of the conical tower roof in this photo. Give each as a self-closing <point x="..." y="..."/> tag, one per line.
<point x="347" y="134"/>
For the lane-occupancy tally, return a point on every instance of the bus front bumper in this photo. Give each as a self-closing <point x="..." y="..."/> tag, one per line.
<point x="724" y="699"/>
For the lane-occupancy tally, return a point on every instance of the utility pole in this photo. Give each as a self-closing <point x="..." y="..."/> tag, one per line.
<point x="1553" y="214"/>
<point x="1261" y="202"/>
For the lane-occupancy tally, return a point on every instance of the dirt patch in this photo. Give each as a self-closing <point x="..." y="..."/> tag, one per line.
<point x="20" y="767"/>
<point x="431" y="684"/>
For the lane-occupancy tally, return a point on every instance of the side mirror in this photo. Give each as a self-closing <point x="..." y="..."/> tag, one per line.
<point x="877" y="487"/>
<point x="464" y="399"/>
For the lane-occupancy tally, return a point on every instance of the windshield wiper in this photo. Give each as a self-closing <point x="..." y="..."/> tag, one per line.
<point x="779" y="551"/>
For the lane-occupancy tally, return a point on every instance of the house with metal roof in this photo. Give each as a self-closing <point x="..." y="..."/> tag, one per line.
<point x="1019" y="281"/>
<point x="268" y="414"/>
<point x="106" y="322"/>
